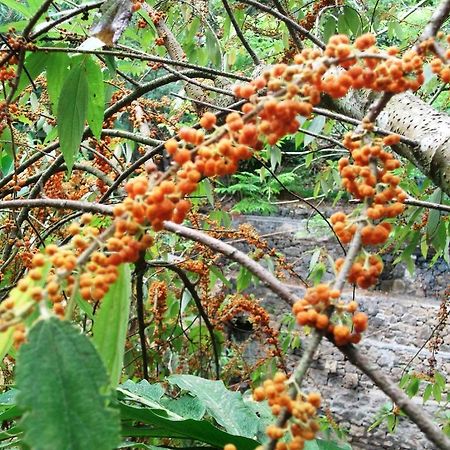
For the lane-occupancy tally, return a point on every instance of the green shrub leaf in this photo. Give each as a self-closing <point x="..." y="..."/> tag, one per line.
<point x="143" y="416"/>
<point x="96" y="93"/>
<point x="72" y="111"/>
<point x="111" y="324"/>
<point x="61" y="382"/>
<point x="236" y="418"/>
<point x="57" y="71"/>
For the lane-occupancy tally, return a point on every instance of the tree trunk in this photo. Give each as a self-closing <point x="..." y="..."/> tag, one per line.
<point x="408" y="115"/>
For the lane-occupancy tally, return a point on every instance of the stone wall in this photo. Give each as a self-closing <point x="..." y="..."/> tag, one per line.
<point x="400" y="321"/>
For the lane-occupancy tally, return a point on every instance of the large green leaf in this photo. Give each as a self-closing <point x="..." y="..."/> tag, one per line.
<point x="62" y="382"/>
<point x="34" y="64"/>
<point x="111" y="324"/>
<point x="57" y="71"/>
<point x="72" y="111"/>
<point x="186" y="406"/>
<point x="96" y="96"/>
<point x="320" y="444"/>
<point x="154" y="420"/>
<point x="18" y="6"/>
<point x="435" y="215"/>
<point x="237" y="418"/>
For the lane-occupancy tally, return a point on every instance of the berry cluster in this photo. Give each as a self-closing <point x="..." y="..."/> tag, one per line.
<point x="322" y="309"/>
<point x="364" y="271"/>
<point x="291" y="90"/>
<point x="310" y="18"/>
<point x="438" y="66"/>
<point x="302" y="411"/>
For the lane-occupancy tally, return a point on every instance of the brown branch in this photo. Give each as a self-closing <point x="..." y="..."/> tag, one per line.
<point x="287" y="21"/>
<point x="297" y="41"/>
<point x="198" y="303"/>
<point x="240" y="34"/>
<point x="413" y="410"/>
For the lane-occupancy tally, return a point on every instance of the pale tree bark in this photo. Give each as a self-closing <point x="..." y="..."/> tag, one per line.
<point x="408" y="115"/>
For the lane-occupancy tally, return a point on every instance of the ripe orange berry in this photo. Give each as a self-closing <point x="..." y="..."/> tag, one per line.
<point x="208" y="120"/>
<point x="229" y="447"/>
<point x="259" y="394"/>
<point x="360" y="321"/>
<point x="314" y="398"/>
<point x="171" y="146"/>
<point x="322" y="322"/>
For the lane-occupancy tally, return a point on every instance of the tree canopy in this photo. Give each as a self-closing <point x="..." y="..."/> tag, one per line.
<point x="132" y="132"/>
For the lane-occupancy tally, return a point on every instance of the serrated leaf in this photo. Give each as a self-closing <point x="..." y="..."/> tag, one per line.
<point x="237" y="418"/>
<point x="57" y="69"/>
<point x="111" y="324"/>
<point x="72" y="112"/>
<point x="96" y="96"/>
<point x="61" y="382"/>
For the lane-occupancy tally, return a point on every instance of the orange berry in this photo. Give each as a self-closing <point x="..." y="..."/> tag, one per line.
<point x="208" y="120"/>
<point x="229" y="447"/>
<point x="171" y="146"/>
<point x="322" y="322"/>
<point x="360" y="321"/>
<point x="259" y="394"/>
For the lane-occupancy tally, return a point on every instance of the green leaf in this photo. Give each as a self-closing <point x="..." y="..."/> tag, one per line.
<point x="439" y="379"/>
<point x="243" y="279"/>
<point x="237" y="418"/>
<point x="186" y="406"/>
<point x="18" y="6"/>
<point x="353" y="20"/>
<point x="35" y="64"/>
<point x="96" y="97"/>
<point x="61" y="382"/>
<point x="275" y="157"/>
<point x="316" y="126"/>
<point x="165" y="423"/>
<point x="427" y="392"/>
<point x="212" y="48"/>
<point x="144" y="389"/>
<point x="57" y="71"/>
<point x="342" y="25"/>
<point x="437" y="392"/>
<point x="72" y="111"/>
<point x="111" y="324"/>
<point x="329" y="28"/>
<point x="320" y="444"/>
<point x="413" y="387"/>
<point x="217" y="272"/>
<point x="435" y="215"/>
